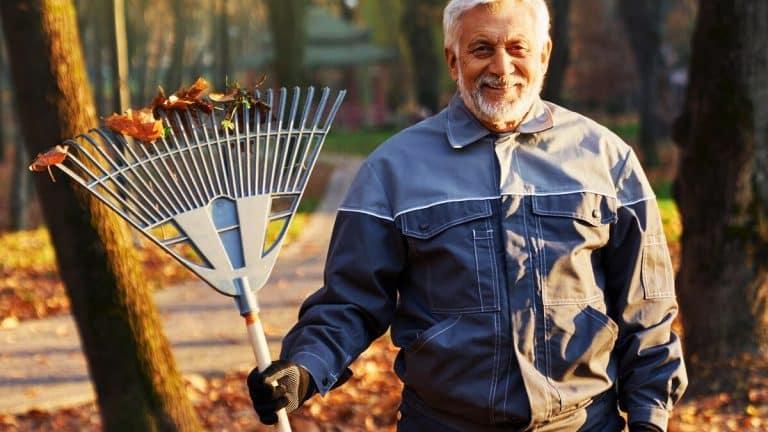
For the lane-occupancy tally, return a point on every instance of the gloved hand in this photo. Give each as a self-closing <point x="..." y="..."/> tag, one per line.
<point x="294" y="386"/>
<point x="643" y="427"/>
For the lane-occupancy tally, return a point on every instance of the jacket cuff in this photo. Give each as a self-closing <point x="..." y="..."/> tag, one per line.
<point x="656" y="416"/>
<point x="321" y="374"/>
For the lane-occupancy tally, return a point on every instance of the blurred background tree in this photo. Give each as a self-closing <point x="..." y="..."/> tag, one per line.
<point x="644" y="25"/>
<point x="130" y="362"/>
<point x="722" y="189"/>
<point x="561" y="50"/>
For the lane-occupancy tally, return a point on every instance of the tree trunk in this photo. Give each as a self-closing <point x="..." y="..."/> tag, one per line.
<point x="644" y="23"/>
<point x="287" y="20"/>
<point x="173" y="79"/>
<point x="129" y="359"/>
<point x="20" y="189"/>
<point x="101" y="33"/>
<point x="561" y="50"/>
<point x="3" y="79"/>
<point x="119" y="48"/>
<point x="722" y="187"/>
<point x="419" y="20"/>
<point x="136" y="32"/>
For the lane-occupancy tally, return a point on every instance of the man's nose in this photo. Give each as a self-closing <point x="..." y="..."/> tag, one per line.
<point x="501" y="63"/>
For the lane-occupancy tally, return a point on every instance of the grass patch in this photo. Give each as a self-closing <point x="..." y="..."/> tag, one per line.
<point x="626" y="127"/>
<point x="359" y="143"/>
<point x="670" y="216"/>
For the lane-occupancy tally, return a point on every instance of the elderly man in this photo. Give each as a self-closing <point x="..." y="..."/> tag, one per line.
<point x="514" y="248"/>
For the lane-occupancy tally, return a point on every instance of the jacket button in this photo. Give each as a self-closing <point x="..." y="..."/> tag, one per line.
<point x="424" y="226"/>
<point x="325" y="381"/>
<point x="596" y="213"/>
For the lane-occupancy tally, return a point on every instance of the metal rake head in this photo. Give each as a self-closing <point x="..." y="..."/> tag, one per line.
<point x="206" y="193"/>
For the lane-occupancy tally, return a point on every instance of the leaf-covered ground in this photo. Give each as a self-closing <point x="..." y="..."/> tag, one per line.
<point x="369" y="402"/>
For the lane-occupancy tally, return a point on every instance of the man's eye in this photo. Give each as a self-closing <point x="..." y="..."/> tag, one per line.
<point x="518" y="49"/>
<point x="482" y="51"/>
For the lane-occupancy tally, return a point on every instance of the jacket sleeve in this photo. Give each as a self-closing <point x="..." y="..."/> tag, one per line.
<point x="640" y="280"/>
<point x="358" y="297"/>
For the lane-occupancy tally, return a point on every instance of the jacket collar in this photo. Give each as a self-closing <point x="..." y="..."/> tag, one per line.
<point x="464" y="129"/>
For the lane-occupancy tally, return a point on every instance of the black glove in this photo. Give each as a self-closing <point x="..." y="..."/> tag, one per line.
<point x="643" y="427"/>
<point x="294" y="386"/>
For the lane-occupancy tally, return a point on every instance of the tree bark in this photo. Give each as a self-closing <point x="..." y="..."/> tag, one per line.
<point x="644" y="22"/>
<point x="722" y="187"/>
<point x="129" y="359"/>
<point x="561" y="50"/>
<point x="287" y="26"/>
<point x="418" y="22"/>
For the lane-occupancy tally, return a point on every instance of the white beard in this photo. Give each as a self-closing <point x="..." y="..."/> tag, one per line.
<point x="499" y="112"/>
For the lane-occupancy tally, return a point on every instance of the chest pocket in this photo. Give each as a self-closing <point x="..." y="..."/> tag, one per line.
<point x="571" y="228"/>
<point x="453" y="256"/>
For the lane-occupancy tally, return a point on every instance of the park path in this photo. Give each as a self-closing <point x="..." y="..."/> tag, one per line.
<point x="42" y="365"/>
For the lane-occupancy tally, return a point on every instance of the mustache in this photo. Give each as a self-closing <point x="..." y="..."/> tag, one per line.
<point x="498" y="81"/>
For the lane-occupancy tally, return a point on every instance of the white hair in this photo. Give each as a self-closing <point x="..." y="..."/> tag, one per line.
<point x="456" y="8"/>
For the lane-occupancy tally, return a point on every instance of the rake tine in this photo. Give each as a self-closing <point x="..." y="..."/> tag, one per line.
<point x="257" y="175"/>
<point x="265" y="172"/>
<point x="170" y="172"/>
<point x="312" y="147"/>
<point x="124" y="171"/>
<point x="161" y="200"/>
<point x="247" y="143"/>
<point x="197" y="178"/>
<point x="277" y="134"/>
<point x="100" y="181"/>
<point x="132" y="169"/>
<point x="184" y="173"/>
<point x="208" y="182"/>
<point x="109" y="181"/>
<point x="222" y="162"/>
<point x="212" y="150"/>
<point x="301" y="146"/>
<point x="285" y="165"/>
<point x="151" y="160"/>
<point x="333" y="111"/>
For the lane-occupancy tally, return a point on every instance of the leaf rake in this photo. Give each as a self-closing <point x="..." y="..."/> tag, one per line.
<point x="209" y="194"/>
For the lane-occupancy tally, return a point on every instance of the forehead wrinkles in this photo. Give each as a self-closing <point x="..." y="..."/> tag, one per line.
<point x="525" y="29"/>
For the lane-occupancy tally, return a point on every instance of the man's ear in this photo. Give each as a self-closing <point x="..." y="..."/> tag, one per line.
<point x="546" y="52"/>
<point x="451" y="59"/>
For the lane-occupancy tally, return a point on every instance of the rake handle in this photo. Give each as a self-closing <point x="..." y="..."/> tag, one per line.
<point x="263" y="359"/>
<point x="249" y="309"/>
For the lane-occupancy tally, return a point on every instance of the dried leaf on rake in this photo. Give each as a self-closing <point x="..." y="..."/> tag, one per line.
<point x="237" y="99"/>
<point x="140" y="124"/>
<point x="184" y="99"/>
<point x="53" y="156"/>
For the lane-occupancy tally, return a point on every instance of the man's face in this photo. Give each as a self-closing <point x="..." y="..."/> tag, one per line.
<point x="499" y="62"/>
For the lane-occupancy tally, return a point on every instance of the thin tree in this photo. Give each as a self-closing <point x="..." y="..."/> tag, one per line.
<point x="722" y="187"/>
<point x="173" y="78"/>
<point x="419" y="21"/>
<point x="644" y="24"/>
<point x="129" y="359"/>
<point x="561" y="50"/>
<point x="287" y="25"/>
<point x="119" y="47"/>
<point x="21" y="184"/>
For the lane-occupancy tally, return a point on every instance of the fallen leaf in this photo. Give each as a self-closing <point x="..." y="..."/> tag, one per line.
<point x="53" y="156"/>
<point x="140" y="124"/>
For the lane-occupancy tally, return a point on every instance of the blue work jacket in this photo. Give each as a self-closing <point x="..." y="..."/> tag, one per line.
<point x="523" y="275"/>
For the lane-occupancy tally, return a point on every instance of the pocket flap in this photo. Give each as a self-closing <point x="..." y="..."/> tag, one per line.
<point x="589" y="207"/>
<point x="430" y="221"/>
